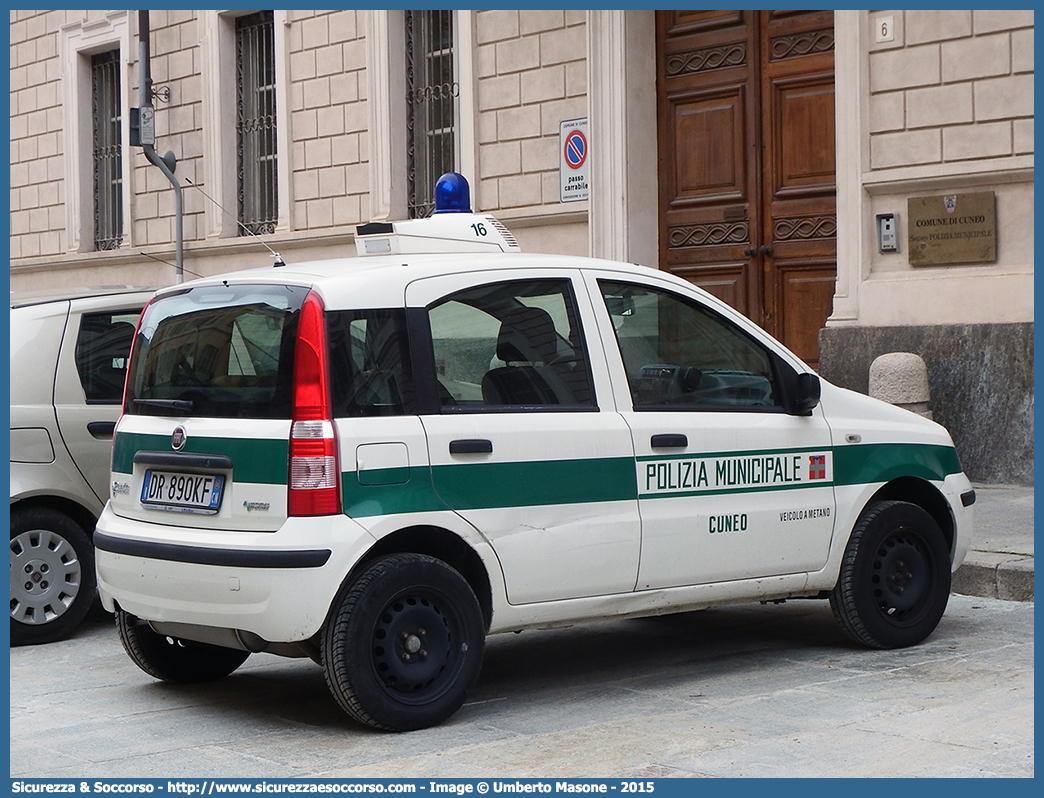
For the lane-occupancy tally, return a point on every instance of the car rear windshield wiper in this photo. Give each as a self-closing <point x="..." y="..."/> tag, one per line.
<point x="173" y="404"/>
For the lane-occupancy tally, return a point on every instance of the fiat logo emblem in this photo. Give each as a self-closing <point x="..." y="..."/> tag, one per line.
<point x="178" y="438"/>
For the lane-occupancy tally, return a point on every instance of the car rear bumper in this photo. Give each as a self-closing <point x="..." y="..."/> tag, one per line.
<point x="278" y="586"/>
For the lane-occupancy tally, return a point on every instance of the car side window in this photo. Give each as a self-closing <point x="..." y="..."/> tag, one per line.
<point x="370" y="363"/>
<point x="102" y="348"/>
<point x="510" y="346"/>
<point x="681" y="355"/>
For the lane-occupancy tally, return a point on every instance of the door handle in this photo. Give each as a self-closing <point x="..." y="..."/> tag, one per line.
<point x="101" y="429"/>
<point x="669" y="441"/>
<point x="766" y="250"/>
<point x="471" y="446"/>
<point x="750" y="252"/>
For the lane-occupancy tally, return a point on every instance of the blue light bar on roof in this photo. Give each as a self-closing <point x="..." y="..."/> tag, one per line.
<point x="452" y="194"/>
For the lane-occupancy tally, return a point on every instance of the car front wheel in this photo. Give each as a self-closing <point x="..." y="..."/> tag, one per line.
<point x="52" y="575"/>
<point x="895" y="577"/>
<point x="404" y="643"/>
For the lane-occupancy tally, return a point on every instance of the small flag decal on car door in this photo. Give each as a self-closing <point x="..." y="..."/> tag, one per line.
<point x="817" y="466"/>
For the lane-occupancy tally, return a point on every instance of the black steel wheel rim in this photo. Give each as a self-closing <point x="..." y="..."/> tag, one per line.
<point x="901" y="577"/>
<point x="415" y="648"/>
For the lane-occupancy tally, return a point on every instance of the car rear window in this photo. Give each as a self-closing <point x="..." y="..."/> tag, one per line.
<point x="217" y="351"/>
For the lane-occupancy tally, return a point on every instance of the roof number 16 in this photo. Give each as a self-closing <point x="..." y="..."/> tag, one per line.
<point x="479" y="228"/>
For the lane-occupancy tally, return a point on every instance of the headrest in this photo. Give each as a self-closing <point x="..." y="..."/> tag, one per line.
<point x="527" y="335"/>
<point x="100" y="340"/>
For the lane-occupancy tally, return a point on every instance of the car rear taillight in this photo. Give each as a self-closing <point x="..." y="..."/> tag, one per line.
<point x="315" y="479"/>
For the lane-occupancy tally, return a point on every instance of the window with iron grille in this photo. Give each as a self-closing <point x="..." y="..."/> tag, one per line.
<point x="106" y="149"/>
<point x="256" y="123"/>
<point x="432" y="94"/>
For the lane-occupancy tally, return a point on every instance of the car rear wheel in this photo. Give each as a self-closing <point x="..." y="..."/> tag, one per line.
<point x="404" y="643"/>
<point x="171" y="659"/>
<point x="52" y="575"/>
<point x="895" y="577"/>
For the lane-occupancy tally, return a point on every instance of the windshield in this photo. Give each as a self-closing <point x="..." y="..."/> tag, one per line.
<point x="216" y="351"/>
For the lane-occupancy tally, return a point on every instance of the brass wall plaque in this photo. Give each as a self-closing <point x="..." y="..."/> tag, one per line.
<point x="953" y="228"/>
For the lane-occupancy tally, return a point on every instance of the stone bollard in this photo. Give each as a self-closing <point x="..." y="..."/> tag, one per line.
<point x="901" y="379"/>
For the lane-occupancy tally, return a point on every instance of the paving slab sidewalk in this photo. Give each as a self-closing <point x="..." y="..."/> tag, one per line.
<point x="1000" y="562"/>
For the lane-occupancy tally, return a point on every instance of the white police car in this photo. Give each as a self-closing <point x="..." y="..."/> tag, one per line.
<point x="377" y="461"/>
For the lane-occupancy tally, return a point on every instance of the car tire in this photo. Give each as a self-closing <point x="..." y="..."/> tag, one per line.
<point x="52" y="575"/>
<point x="171" y="659"/>
<point x="403" y="644"/>
<point x="895" y="577"/>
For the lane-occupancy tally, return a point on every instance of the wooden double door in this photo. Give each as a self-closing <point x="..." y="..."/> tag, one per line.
<point x="745" y="104"/>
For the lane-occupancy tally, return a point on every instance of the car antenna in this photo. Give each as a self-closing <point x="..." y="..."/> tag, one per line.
<point x="278" y="258"/>
<point x="172" y="265"/>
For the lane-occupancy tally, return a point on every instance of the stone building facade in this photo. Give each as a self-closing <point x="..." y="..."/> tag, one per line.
<point x="944" y="108"/>
<point x="943" y="105"/>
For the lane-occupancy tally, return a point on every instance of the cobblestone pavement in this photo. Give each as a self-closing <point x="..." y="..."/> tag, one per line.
<point x="753" y="690"/>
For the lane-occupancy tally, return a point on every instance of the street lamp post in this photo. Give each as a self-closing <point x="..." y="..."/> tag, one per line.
<point x="143" y="134"/>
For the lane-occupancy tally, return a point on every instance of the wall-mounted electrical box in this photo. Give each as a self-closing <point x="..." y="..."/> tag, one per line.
<point x="887" y="232"/>
<point x="143" y="126"/>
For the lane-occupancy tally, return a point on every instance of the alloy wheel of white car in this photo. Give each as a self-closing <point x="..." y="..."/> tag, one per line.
<point x="52" y="575"/>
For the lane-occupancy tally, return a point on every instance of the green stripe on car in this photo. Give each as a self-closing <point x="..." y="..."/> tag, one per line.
<point x="881" y="462"/>
<point x="258" y="460"/>
<point x="523" y="484"/>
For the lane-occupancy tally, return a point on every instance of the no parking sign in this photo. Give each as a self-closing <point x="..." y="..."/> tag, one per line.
<point x="573" y="147"/>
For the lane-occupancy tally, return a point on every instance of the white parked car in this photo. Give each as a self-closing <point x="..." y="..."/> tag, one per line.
<point x="375" y="462"/>
<point x="68" y="363"/>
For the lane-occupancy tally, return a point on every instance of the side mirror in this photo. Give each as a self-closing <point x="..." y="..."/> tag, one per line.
<point x="807" y="391"/>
